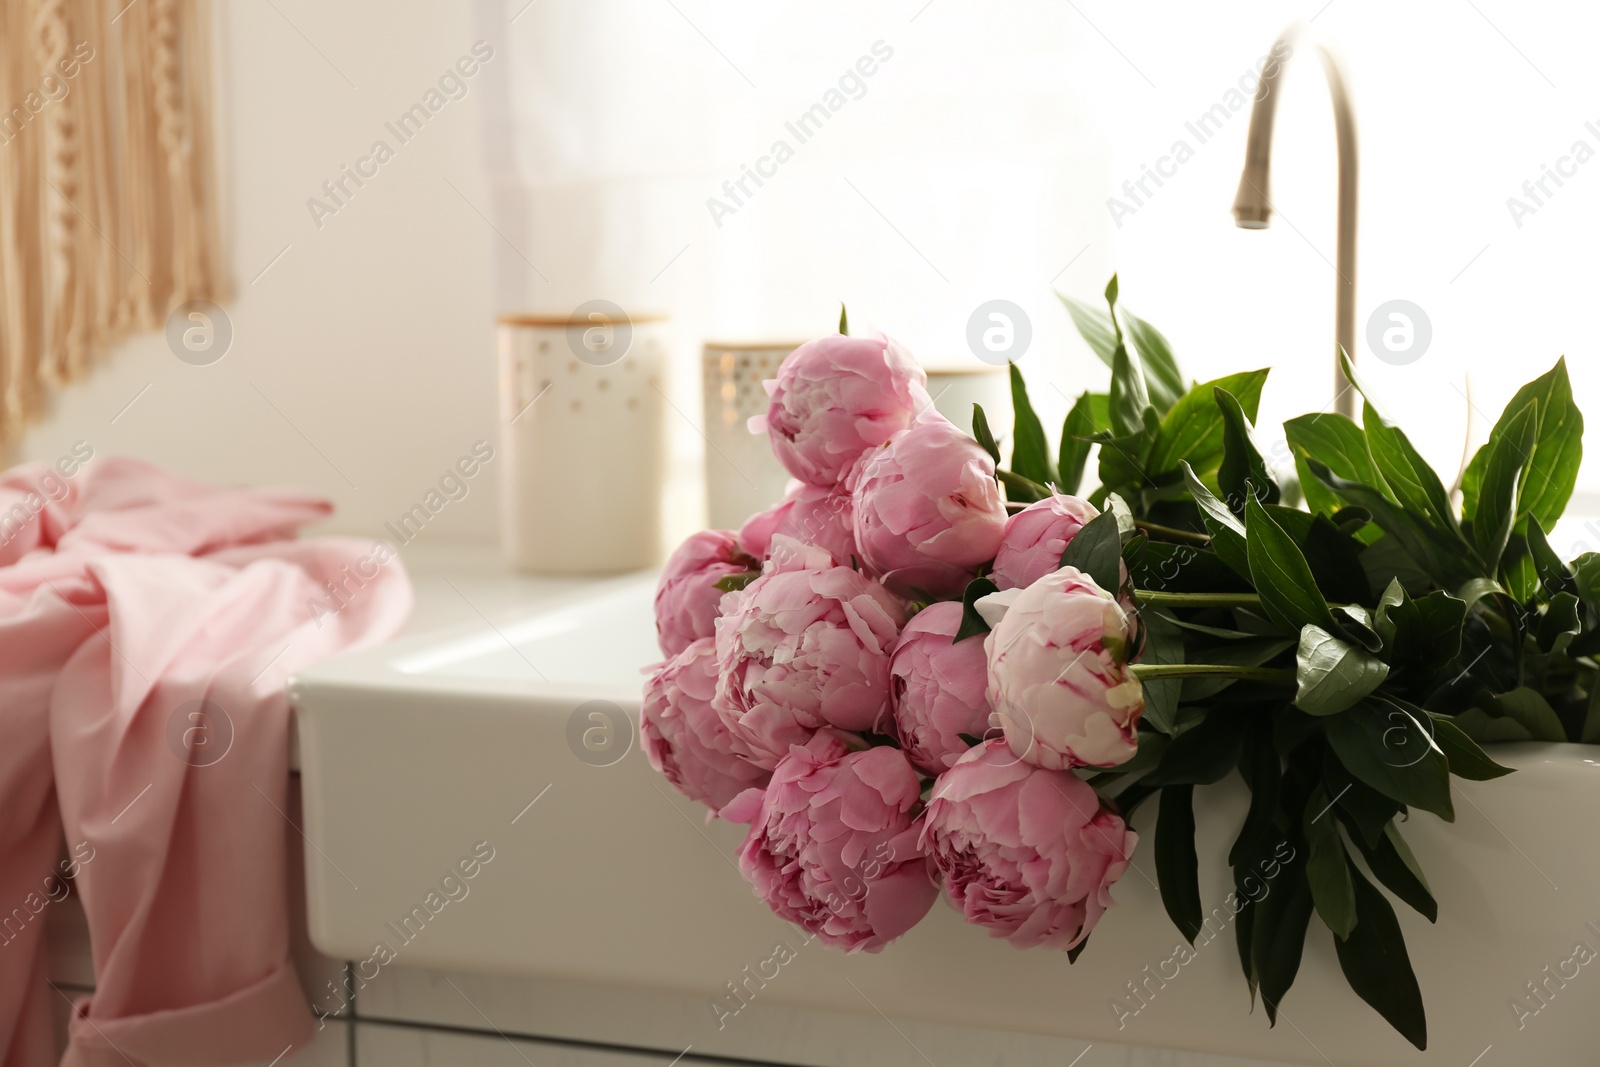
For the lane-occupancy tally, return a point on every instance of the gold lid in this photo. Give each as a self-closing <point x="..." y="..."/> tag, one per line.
<point x="753" y="346"/>
<point x="563" y="321"/>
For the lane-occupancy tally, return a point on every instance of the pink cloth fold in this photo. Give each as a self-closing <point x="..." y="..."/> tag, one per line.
<point x="147" y="626"/>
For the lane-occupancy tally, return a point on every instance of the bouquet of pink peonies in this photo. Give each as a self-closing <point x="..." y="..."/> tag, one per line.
<point x="907" y="682"/>
<point x="828" y="685"/>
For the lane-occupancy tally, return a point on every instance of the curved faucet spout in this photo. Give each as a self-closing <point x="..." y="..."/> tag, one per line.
<point x="1252" y="208"/>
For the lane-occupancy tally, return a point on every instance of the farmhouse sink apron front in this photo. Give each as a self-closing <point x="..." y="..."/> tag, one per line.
<point x="508" y="745"/>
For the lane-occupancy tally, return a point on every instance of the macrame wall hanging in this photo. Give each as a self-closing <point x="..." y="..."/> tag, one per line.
<point x="107" y="191"/>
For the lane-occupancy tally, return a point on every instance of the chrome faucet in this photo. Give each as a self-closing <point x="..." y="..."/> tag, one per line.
<point x="1252" y="207"/>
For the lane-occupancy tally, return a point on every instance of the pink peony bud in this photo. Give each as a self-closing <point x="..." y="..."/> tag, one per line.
<point x="804" y="646"/>
<point x="928" y="513"/>
<point x="684" y="738"/>
<point x="687" y="595"/>
<point x="938" y="687"/>
<point x="1036" y="536"/>
<point x="1029" y="853"/>
<point x="1058" y="679"/>
<point x="836" y="397"/>
<point x="832" y="846"/>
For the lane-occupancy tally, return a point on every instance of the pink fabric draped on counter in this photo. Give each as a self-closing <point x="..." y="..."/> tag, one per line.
<point x="127" y="596"/>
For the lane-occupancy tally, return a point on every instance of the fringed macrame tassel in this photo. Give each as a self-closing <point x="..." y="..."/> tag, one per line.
<point x="108" y="195"/>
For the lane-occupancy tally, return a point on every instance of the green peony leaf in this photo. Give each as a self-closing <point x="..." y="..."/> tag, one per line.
<point x="1393" y="864"/>
<point x="1203" y="754"/>
<point x="1030" y="453"/>
<point x="1424" y="633"/>
<point x="1530" y="709"/>
<point x="1096" y="550"/>
<point x="1411" y="481"/>
<point x="1559" y="624"/>
<point x="1554" y="575"/>
<point x="1333" y="674"/>
<point x="1279" y="933"/>
<point x="1336" y="442"/>
<point x="1242" y="473"/>
<point x="1384" y="744"/>
<point x="1439" y="554"/>
<point x="1192" y="429"/>
<point x="1496" y="505"/>
<point x="1227" y="532"/>
<point x="1163" y="643"/>
<point x="1586" y="576"/>
<point x="1484" y="729"/>
<point x="1375" y="963"/>
<point x="1552" y="471"/>
<point x="1260" y="767"/>
<point x="1281" y="575"/>
<point x="1128" y="399"/>
<point x="972" y="624"/>
<point x="984" y="435"/>
<point x="1162" y="376"/>
<point x="1326" y="867"/>
<point x="1177" y="868"/>
<point x="1365" y="810"/>
<point x="1466" y="759"/>
<point x="1090" y="415"/>
<point x="1517" y="568"/>
<point x="1094" y="326"/>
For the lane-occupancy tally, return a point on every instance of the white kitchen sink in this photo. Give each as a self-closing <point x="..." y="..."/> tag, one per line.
<point x="413" y="753"/>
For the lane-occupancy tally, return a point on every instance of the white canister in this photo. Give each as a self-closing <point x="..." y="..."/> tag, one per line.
<point x="955" y="387"/>
<point x="583" y="440"/>
<point x="742" y="475"/>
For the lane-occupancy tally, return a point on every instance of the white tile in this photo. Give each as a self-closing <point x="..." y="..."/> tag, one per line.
<point x="393" y="1046"/>
<point x="668" y="1022"/>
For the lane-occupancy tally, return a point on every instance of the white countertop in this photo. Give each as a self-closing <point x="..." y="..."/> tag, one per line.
<point x="460" y="585"/>
<point x="456" y="585"/>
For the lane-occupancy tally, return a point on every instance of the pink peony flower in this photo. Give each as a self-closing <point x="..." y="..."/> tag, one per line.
<point x="928" y="513"/>
<point x="1058" y="678"/>
<point x="1036" y="536"/>
<point x="832" y="846"/>
<point x="836" y="397"/>
<point x="823" y="517"/>
<point x="938" y="687"/>
<point x="755" y="536"/>
<point x="683" y="737"/>
<point x="687" y="595"/>
<point x="1029" y="853"/>
<point x="804" y="646"/>
<point x="809" y="514"/>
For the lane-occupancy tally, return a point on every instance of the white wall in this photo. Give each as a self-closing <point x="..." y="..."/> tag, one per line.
<point x="362" y="360"/>
<point x="987" y="148"/>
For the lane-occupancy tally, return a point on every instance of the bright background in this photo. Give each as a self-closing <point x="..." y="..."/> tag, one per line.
<point x="976" y="165"/>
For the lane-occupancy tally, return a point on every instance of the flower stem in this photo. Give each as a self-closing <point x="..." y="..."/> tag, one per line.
<point x="1157" y="598"/>
<point x="1151" y="671"/>
<point x="1158" y="532"/>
